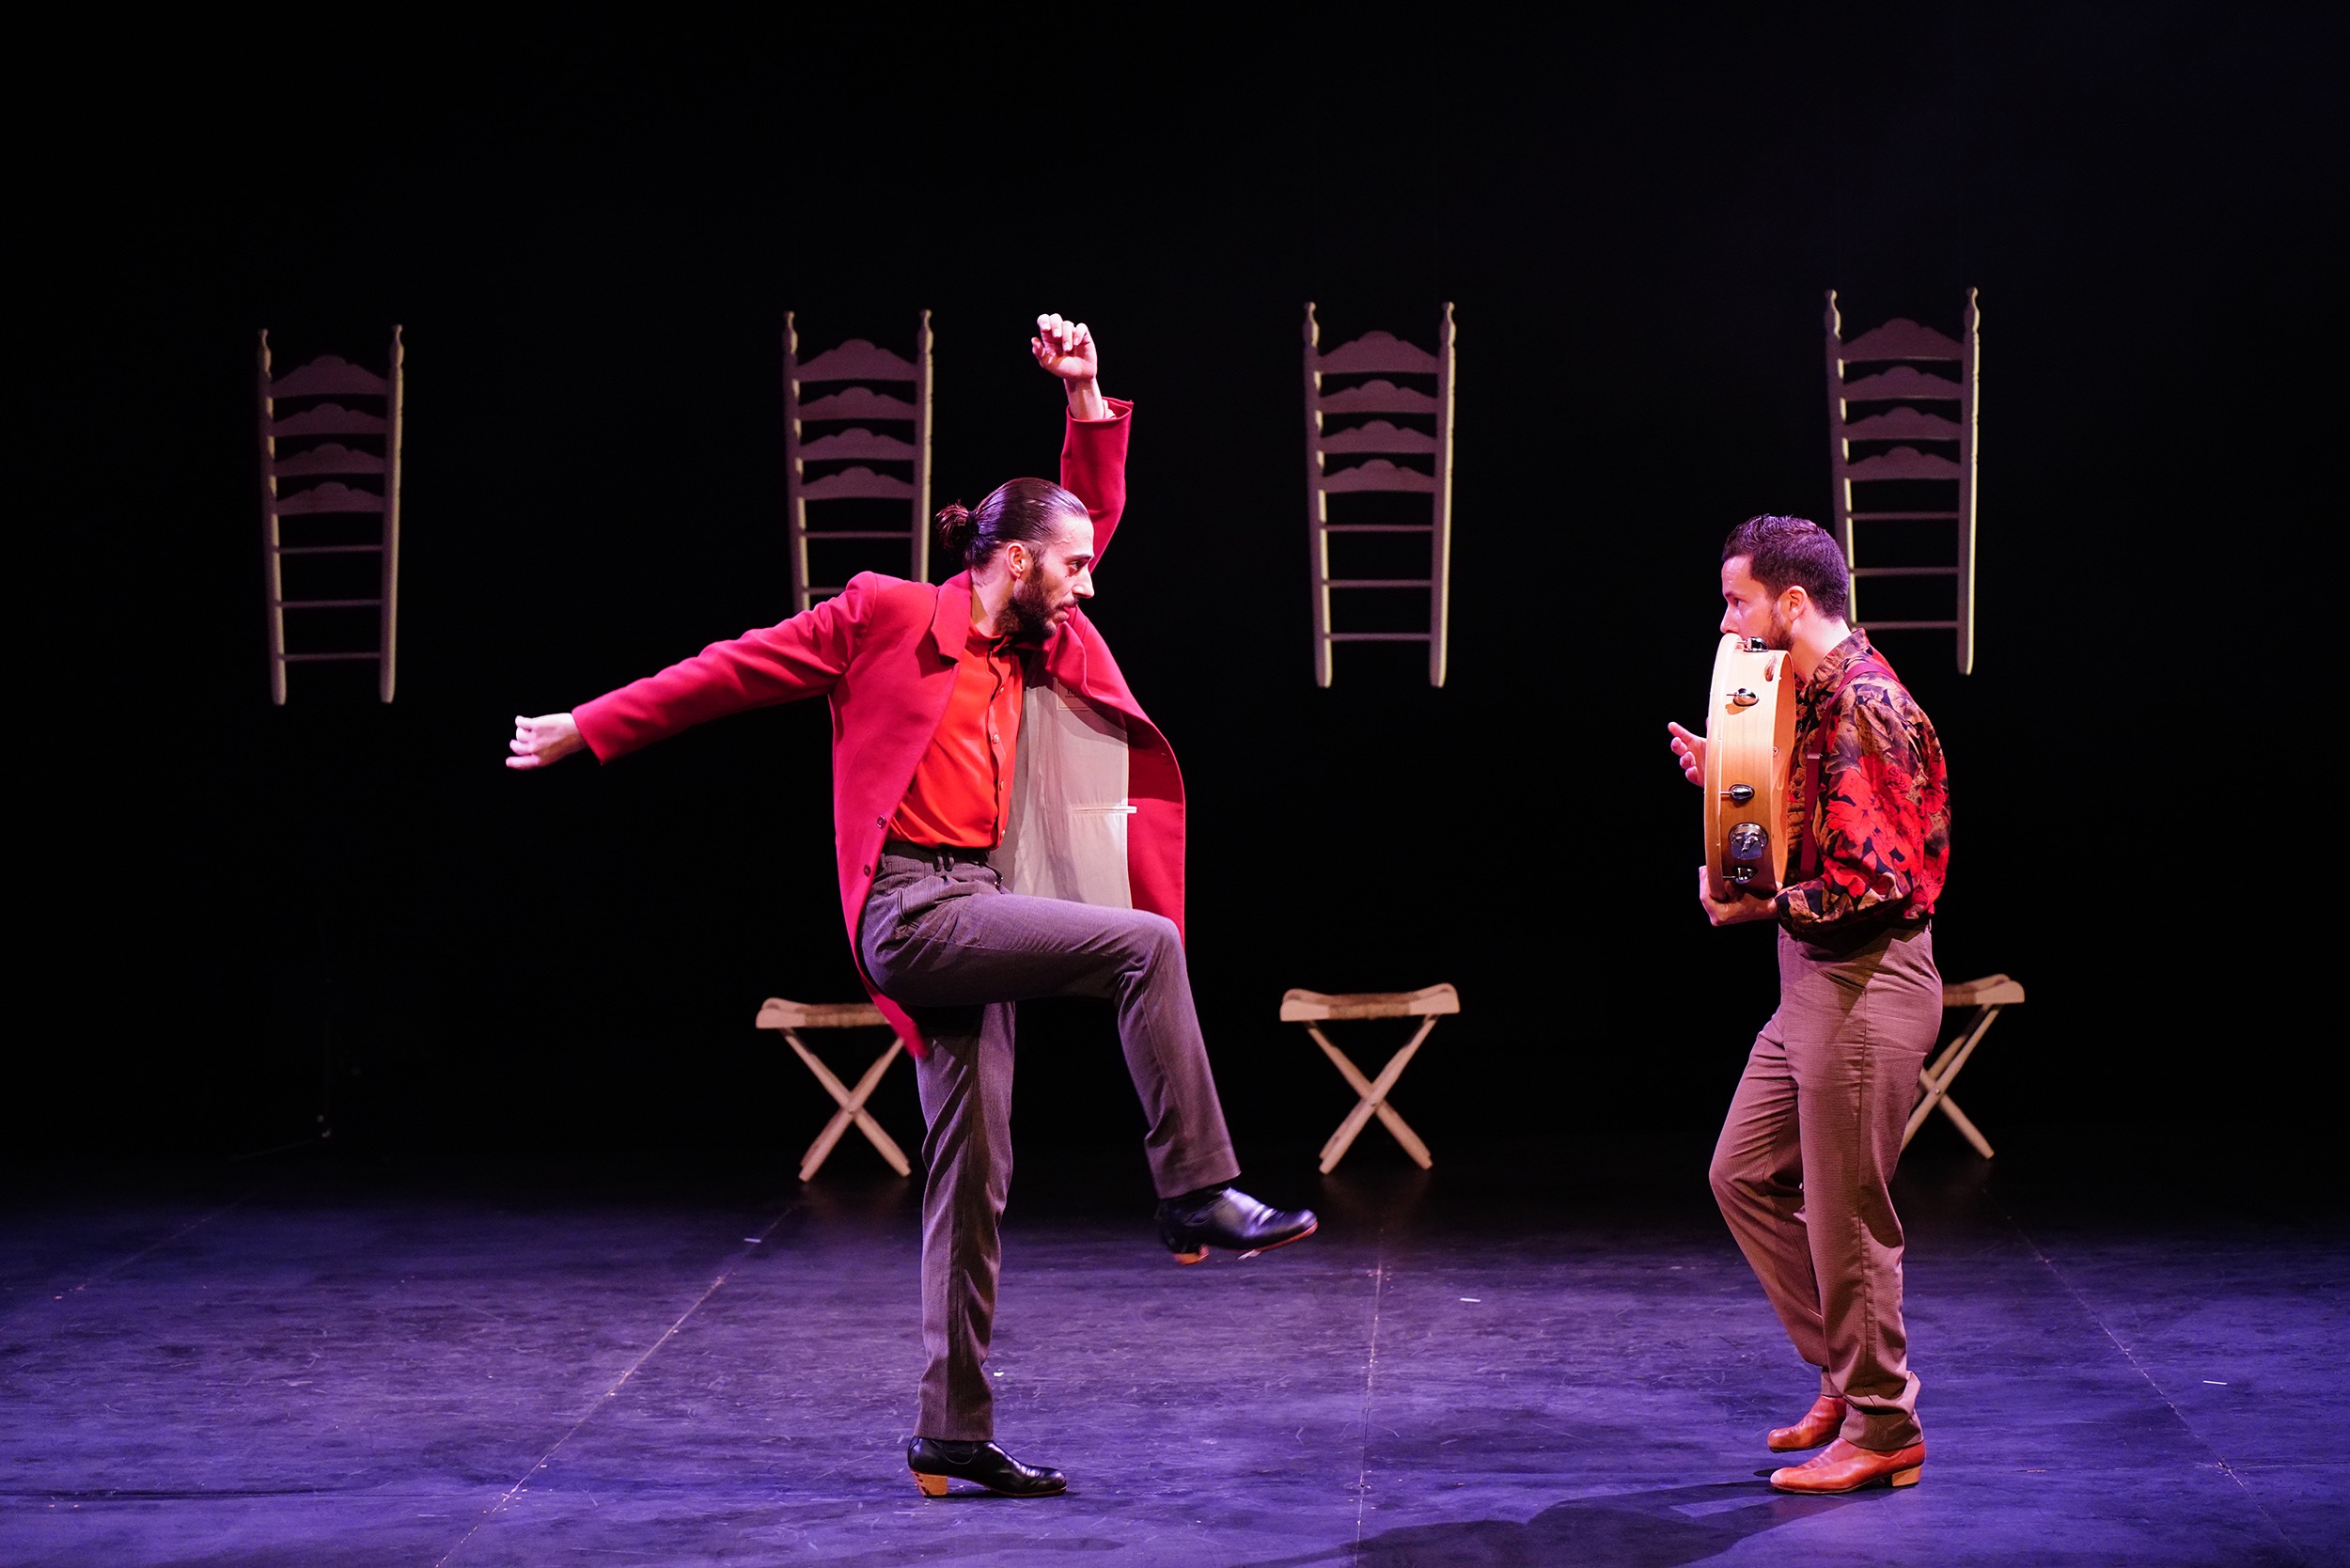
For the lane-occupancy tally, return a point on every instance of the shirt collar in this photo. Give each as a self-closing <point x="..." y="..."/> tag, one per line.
<point x="1000" y="643"/>
<point x="1838" y="662"/>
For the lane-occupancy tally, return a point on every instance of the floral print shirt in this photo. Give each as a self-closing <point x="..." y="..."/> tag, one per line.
<point x="1874" y="849"/>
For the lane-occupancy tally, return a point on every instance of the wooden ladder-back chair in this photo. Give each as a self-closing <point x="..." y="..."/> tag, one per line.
<point x="848" y="416"/>
<point x="1313" y="1009"/>
<point x="1988" y="996"/>
<point x="318" y="434"/>
<point x="1368" y="448"/>
<point x="1918" y="422"/>
<point x="789" y="1018"/>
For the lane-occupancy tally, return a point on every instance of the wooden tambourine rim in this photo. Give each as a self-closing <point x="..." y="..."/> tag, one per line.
<point x="1751" y="745"/>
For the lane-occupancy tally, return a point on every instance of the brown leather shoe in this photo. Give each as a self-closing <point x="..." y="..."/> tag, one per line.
<point x="1844" y="1468"/>
<point x="1820" y="1423"/>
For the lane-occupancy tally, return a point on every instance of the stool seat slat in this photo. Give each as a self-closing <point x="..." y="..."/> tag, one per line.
<point x="1428" y="1002"/>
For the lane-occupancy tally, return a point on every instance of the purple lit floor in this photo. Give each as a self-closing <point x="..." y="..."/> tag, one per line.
<point x="316" y="1365"/>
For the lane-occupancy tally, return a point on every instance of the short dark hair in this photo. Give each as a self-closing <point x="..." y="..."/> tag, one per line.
<point x="1030" y="511"/>
<point x="1794" y="552"/>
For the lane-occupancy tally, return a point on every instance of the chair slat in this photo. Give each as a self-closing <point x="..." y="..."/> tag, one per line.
<point x="1903" y="424"/>
<point x="857" y="403"/>
<point x="326" y="375"/>
<point x="1901" y="382"/>
<point x="327" y="498"/>
<point x="1902" y="462"/>
<point x="858" y="481"/>
<point x="857" y="442"/>
<point x="1379" y="436"/>
<point x="1377" y="397"/>
<point x="1379" y="475"/>
<point x="330" y="419"/>
<point x="1902" y="338"/>
<point x="1377" y="351"/>
<point x="858" y="360"/>
<point x="333" y="457"/>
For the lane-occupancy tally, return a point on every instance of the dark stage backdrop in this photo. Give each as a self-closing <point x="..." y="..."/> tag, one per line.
<point x="235" y="917"/>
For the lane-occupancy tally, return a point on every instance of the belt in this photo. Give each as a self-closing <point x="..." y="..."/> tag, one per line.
<point x="941" y="856"/>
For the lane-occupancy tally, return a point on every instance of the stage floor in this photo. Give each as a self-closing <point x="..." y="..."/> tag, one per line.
<point x="317" y="1364"/>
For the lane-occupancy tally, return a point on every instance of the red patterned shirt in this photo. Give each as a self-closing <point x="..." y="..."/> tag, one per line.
<point x="1875" y="849"/>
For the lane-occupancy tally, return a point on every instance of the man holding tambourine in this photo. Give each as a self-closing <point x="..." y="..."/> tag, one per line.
<point x="1850" y="869"/>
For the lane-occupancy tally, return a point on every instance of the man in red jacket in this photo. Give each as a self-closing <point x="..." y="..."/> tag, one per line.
<point x="1814" y="1131"/>
<point x="1008" y="823"/>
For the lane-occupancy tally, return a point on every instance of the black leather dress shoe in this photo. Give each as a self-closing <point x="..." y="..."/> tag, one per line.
<point x="1230" y="1218"/>
<point x="935" y="1462"/>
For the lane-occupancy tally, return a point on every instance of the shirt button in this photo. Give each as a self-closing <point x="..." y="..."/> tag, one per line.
<point x="867" y="871"/>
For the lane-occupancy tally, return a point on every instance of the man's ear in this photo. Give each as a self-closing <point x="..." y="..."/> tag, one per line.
<point x="1793" y="602"/>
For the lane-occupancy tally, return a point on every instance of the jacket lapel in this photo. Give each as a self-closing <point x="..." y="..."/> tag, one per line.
<point x="950" y="623"/>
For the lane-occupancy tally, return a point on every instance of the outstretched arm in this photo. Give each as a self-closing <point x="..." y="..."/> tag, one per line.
<point x="803" y="657"/>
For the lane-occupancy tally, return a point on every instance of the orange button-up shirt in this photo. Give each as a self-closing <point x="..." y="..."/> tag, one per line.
<point x="961" y="789"/>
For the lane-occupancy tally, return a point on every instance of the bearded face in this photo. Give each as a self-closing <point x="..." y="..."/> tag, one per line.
<point x="1054" y="577"/>
<point x="1032" y="606"/>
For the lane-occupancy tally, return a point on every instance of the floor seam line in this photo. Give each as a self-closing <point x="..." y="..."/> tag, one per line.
<point x="116" y="1267"/>
<point x="1371" y="1376"/>
<point x="2168" y="1404"/>
<point x="725" y="1272"/>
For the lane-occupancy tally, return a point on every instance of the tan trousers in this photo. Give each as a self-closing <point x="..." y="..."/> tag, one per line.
<point x="1806" y="1154"/>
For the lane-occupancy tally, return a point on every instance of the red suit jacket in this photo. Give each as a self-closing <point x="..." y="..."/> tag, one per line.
<point x="884" y="652"/>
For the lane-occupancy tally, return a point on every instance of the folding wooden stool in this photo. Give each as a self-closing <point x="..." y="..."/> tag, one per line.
<point x="1312" y="1008"/>
<point x="791" y="1017"/>
<point x="1986" y="996"/>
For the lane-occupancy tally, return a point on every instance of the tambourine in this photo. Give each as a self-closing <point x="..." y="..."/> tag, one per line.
<point x="1749" y="743"/>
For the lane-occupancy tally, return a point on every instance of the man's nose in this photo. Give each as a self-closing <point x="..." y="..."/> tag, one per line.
<point x="1729" y="620"/>
<point x="1085" y="585"/>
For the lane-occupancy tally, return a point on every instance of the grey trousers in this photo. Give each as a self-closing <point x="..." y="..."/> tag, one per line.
<point x="1806" y="1152"/>
<point x="946" y="942"/>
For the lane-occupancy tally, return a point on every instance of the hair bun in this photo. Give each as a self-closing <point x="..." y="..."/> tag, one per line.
<point x="955" y="528"/>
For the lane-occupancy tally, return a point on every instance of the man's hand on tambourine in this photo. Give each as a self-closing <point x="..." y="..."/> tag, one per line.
<point x="1739" y="909"/>
<point x="1067" y="348"/>
<point x="1689" y="751"/>
<point x="543" y="742"/>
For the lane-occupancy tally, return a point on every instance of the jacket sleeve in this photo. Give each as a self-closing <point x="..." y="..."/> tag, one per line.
<point x="803" y="656"/>
<point x="1870" y="825"/>
<point x="1093" y="469"/>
